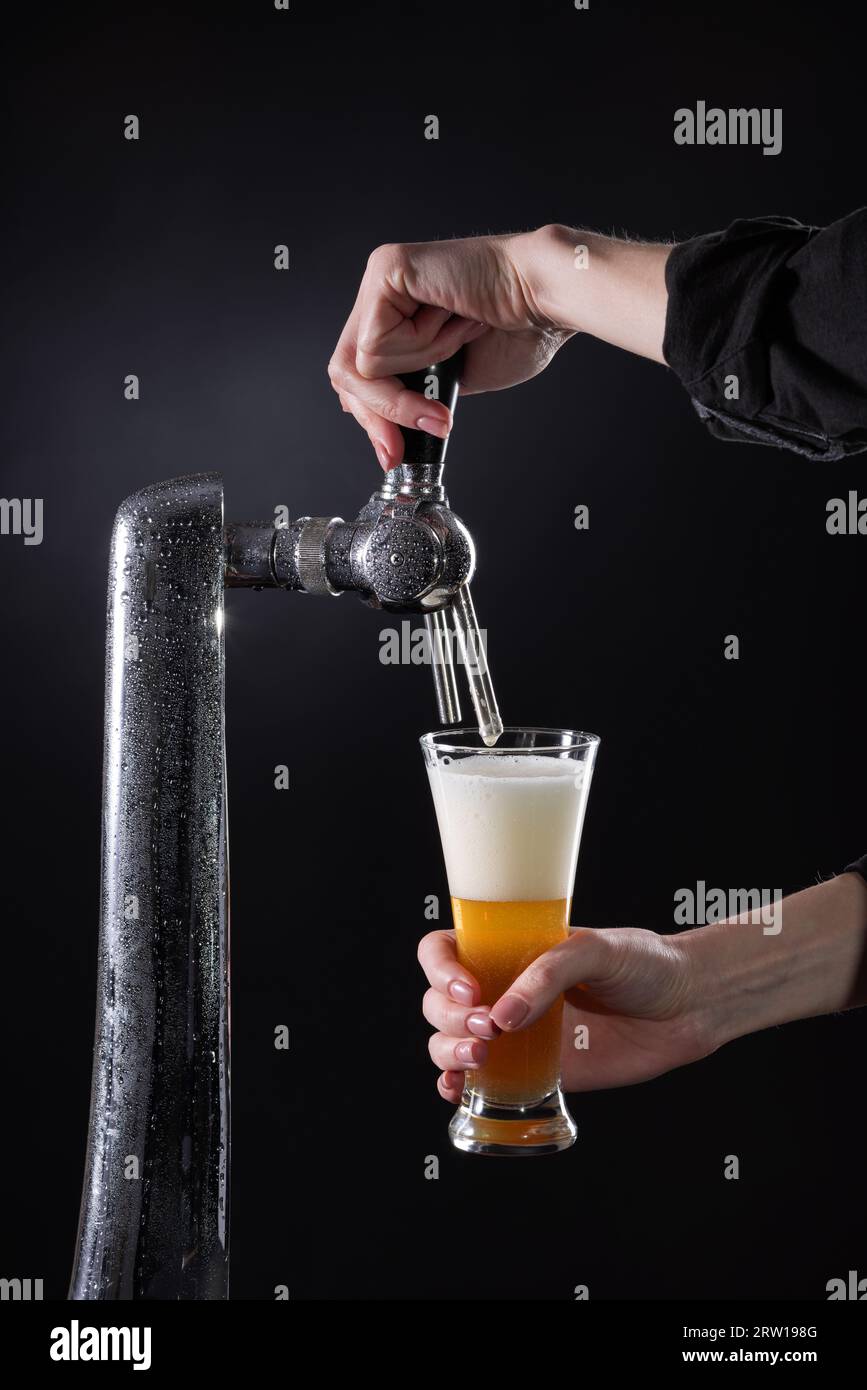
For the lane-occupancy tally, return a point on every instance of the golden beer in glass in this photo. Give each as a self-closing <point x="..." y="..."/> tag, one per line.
<point x="510" y="820"/>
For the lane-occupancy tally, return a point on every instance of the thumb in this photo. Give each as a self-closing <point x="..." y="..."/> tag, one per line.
<point x="585" y="958"/>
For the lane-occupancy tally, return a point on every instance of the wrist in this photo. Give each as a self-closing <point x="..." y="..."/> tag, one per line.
<point x="729" y="982"/>
<point x="577" y="281"/>
<point x="545" y="263"/>
<point x="746" y="975"/>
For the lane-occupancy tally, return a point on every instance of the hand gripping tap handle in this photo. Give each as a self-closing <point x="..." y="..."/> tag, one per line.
<point x="422" y="467"/>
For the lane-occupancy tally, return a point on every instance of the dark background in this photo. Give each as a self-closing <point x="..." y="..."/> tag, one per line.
<point x="156" y="258"/>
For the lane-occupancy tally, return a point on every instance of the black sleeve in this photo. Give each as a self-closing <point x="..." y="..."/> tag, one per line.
<point x="858" y="867"/>
<point x="782" y="308"/>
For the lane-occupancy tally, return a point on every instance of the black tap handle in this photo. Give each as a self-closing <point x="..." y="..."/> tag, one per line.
<point x="441" y="382"/>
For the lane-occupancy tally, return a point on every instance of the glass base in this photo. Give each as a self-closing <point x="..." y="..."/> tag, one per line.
<point x="511" y="1131"/>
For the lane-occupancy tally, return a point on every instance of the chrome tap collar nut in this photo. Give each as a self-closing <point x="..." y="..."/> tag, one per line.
<point x="423" y="481"/>
<point x="312" y="554"/>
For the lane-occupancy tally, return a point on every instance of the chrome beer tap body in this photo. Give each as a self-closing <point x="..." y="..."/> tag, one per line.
<point x="155" y="1208"/>
<point x="406" y="552"/>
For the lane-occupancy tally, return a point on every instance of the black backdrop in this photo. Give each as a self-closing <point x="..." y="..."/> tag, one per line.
<point x="155" y="257"/>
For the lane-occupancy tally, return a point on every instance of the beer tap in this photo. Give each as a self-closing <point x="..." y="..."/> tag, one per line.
<point x="154" y="1217"/>
<point x="406" y="552"/>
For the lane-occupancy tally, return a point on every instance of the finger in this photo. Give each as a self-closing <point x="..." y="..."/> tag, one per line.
<point x="384" y="435"/>
<point x="415" y="344"/>
<point x="452" y="1054"/>
<point x="382" y="392"/>
<point x="388" y="398"/>
<point x="417" y="330"/>
<point x="387" y="303"/>
<point x="386" y="438"/>
<point x="580" y="959"/>
<point x="456" y="1019"/>
<point x="450" y="1085"/>
<point x="378" y="399"/>
<point x="438" y="960"/>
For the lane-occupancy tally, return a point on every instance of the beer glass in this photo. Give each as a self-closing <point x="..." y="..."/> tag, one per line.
<point x="510" y="821"/>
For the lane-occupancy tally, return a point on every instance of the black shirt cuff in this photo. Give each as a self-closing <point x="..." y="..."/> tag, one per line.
<point x="859" y="866"/>
<point x="766" y="327"/>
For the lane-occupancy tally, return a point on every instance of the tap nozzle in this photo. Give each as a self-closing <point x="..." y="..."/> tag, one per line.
<point x="405" y="552"/>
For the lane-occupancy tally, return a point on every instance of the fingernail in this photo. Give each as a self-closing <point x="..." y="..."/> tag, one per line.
<point x="482" y="1025"/>
<point x="431" y="426"/>
<point x="471" y="1053"/>
<point x="460" y="990"/>
<point x="511" y="1011"/>
<point x="383" y="456"/>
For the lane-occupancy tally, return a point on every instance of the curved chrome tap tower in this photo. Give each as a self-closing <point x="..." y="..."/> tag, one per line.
<point x="154" y="1213"/>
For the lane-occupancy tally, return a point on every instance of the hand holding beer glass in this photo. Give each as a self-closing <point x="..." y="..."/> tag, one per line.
<point x="510" y="820"/>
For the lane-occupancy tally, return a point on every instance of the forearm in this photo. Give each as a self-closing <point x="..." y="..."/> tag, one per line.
<point x="585" y="283"/>
<point x="747" y="976"/>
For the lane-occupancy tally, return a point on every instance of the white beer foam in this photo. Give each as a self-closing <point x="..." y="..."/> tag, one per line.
<point x="510" y="826"/>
